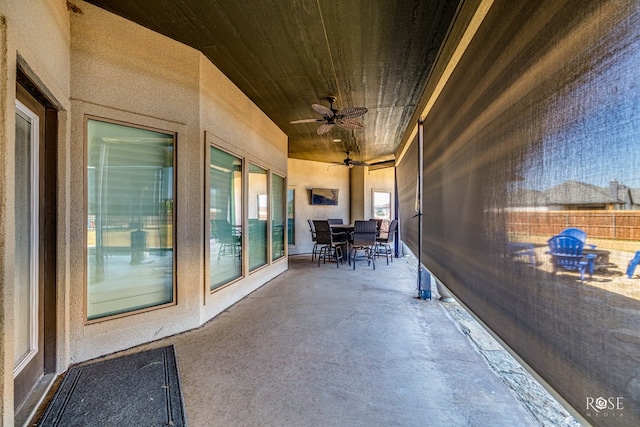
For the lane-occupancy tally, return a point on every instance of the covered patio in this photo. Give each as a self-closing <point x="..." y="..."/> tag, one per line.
<point x="327" y="346"/>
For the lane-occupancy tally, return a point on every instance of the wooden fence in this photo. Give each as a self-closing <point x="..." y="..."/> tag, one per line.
<point x="616" y="225"/>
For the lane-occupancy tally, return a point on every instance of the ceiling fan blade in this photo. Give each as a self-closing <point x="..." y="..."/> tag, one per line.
<point x="350" y="124"/>
<point x="351" y="112"/>
<point x="321" y="109"/>
<point x="324" y="128"/>
<point x="306" y="121"/>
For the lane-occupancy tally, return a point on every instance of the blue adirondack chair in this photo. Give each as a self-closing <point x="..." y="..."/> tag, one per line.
<point x="632" y="265"/>
<point x="578" y="234"/>
<point x="566" y="253"/>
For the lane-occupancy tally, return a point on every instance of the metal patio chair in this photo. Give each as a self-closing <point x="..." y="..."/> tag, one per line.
<point x="316" y="248"/>
<point x="330" y="243"/>
<point x="385" y="240"/>
<point x="363" y="239"/>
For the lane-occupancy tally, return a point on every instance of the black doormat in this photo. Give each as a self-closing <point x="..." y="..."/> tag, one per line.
<point x="141" y="389"/>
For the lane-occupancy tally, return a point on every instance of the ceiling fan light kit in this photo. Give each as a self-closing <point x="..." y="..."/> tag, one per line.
<point x="345" y="118"/>
<point x="349" y="162"/>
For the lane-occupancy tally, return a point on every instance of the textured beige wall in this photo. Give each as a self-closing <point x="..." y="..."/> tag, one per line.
<point x="233" y="123"/>
<point x="363" y="182"/>
<point x="358" y="178"/>
<point x="38" y="31"/>
<point x="6" y="258"/>
<point x="305" y="175"/>
<point x="122" y="71"/>
<point x="95" y="63"/>
<point x="6" y="295"/>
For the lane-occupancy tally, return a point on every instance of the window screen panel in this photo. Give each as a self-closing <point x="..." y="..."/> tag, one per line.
<point x="407" y="177"/>
<point x="537" y="131"/>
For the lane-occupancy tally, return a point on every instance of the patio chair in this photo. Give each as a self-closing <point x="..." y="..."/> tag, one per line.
<point x="566" y="253"/>
<point x="578" y="234"/>
<point x="364" y="239"/>
<point x="228" y="238"/>
<point x="335" y="221"/>
<point x="316" y="247"/>
<point x="631" y="268"/>
<point x="330" y="243"/>
<point x="384" y="241"/>
<point x="522" y="251"/>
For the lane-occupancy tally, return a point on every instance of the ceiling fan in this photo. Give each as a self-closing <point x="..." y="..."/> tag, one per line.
<point x="348" y="162"/>
<point x="343" y="118"/>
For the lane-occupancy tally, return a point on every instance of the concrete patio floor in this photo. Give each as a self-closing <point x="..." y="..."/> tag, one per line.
<point x="327" y="346"/>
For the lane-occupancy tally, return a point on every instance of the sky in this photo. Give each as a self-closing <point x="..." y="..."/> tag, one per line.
<point x="593" y="131"/>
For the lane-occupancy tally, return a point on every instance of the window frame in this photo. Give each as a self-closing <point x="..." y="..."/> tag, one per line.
<point x="174" y="290"/>
<point x="34" y="239"/>
<point x="291" y="233"/>
<point x="207" y="225"/>
<point x="373" y="202"/>
<point x="267" y="174"/>
<point x="283" y="206"/>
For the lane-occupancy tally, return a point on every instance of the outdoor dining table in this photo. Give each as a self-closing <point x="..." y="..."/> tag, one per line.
<point x="342" y="227"/>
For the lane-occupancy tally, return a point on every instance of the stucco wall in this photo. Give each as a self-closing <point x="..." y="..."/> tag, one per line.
<point x="94" y="63"/>
<point x="359" y="211"/>
<point x="233" y="123"/>
<point x="363" y="182"/>
<point x="121" y="71"/>
<point x="157" y="82"/>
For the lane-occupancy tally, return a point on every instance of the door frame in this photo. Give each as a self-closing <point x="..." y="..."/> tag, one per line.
<point x="30" y="86"/>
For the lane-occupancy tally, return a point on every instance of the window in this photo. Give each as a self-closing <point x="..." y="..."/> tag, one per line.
<point x="257" y="217"/>
<point x="130" y="215"/>
<point x="291" y="227"/>
<point x="381" y="205"/>
<point x="277" y="216"/>
<point x="26" y="210"/>
<point x="225" y="216"/>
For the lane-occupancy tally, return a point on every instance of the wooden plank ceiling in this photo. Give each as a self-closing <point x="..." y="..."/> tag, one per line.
<point x="288" y="54"/>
